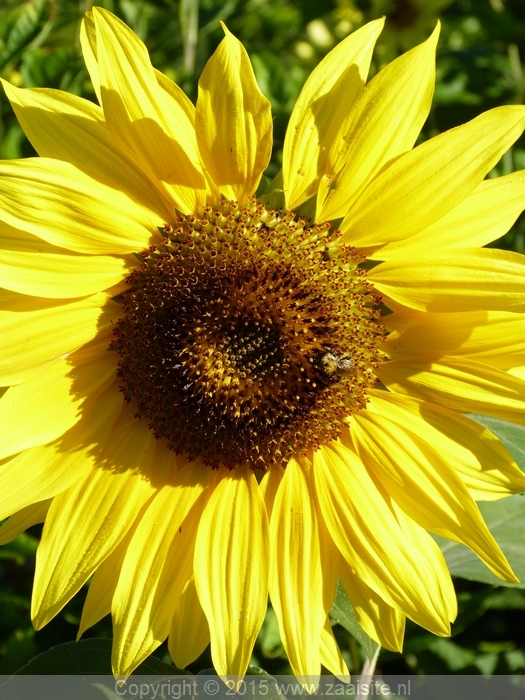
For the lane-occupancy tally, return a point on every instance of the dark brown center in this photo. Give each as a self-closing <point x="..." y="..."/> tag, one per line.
<point x="247" y="336"/>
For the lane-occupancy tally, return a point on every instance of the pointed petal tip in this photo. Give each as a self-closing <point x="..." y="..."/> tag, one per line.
<point x="434" y="37"/>
<point x="509" y="576"/>
<point x="380" y="21"/>
<point x="38" y="620"/>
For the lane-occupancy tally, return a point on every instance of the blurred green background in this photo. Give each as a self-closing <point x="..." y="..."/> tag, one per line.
<point x="479" y="66"/>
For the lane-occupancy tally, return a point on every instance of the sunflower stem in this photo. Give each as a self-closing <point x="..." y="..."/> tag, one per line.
<point x="189" y="17"/>
<point x="367" y="672"/>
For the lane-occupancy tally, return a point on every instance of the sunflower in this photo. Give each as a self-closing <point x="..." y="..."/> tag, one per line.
<point x="211" y="399"/>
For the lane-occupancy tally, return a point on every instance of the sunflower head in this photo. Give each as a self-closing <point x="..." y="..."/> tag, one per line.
<point x="251" y="401"/>
<point x="230" y="333"/>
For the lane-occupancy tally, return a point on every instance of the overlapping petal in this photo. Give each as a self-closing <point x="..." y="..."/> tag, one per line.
<point x="421" y="186"/>
<point x="151" y="127"/>
<point x="482" y="217"/>
<point x="383" y="623"/>
<point x="233" y="121"/>
<point x="479" y="458"/>
<point x="269" y="486"/>
<point x="331" y="656"/>
<point x="370" y="538"/>
<point x="384" y="123"/>
<point x="296" y="575"/>
<point x="104" y="583"/>
<point x="42" y="333"/>
<point x="57" y="275"/>
<point x="493" y="337"/>
<point x="24" y="409"/>
<point x="75" y="211"/>
<point x="88" y="520"/>
<point x="321" y="110"/>
<point x="189" y="633"/>
<point x="425" y="486"/>
<point x="156" y="568"/>
<point x="24" y="519"/>
<point x="42" y="472"/>
<point x="462" y="385"/>
<point x="231" y="568"/>
<point x="442" y="281"/>
<point x="66" y="127"/>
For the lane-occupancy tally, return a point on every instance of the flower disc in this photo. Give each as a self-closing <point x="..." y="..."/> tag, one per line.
<point x="247" y="336"/>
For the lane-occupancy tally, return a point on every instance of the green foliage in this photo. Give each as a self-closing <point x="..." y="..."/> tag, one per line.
<point x="18" y="28"/>
<point x="505" y="519"/>
<point x="90" y="657"/>
<point x="342" y="613"/>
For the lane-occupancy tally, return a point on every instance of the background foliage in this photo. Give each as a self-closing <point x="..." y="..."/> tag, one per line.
<point x="479" y="66"/>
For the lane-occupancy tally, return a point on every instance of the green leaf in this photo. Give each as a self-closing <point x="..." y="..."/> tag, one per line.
<point x="269" y="638"/>
<point x="29" y="21"/>
<point x="273" y="195"/>
<point x="23" y="546"/>
<point x="41" y="67"/>
<point x="506" y="520"/>
<point x="343" y="613"/>
<point x="510" y="434"/>
<point x="88" y="657"/>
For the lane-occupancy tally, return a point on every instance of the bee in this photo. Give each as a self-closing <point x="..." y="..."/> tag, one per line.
<point x="336" y="366"/>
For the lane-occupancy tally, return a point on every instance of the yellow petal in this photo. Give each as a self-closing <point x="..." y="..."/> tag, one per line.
<point x="41" y="472"/>
<point x="233" y="121"/>
<point x="331" y="656"/>
<point x="478" y="457"/>
<point x="494" y="337"/>
<point x="320" y="111"/>
<point x="147" y="123"/>
<point x="66" y="127"/>
<point x="401" y="316"/>
<point x="517" y="372"/>
<point x="21" y="521"/>
<point x="86" y="522"/>
<point x="231" y="568"/>
<point x="148" y="588"/>
<point x="74" y="210"/>
<point x="486" y="214"/>
<point x="296" y="577"/>
<point x="269" y="485"/>
<point x="88" y="43"/>
<point x="329" y="553"/>
<point x="424" y="542"/>
<point x="443" y="281"/>
<point x="39" y="335"/>
<point x="24" y="409"/>
<point x="424" y="184"/>
<point x="368" y="535"/>
<point x="423" y="484"/>
<point x="382" y="623"/>
<point x="104" y="583"/>
<point x="32" y="266"/>
<point x="190" y="634"/>
<point x="385" y="122"/>
<point x="459" y="384"/>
